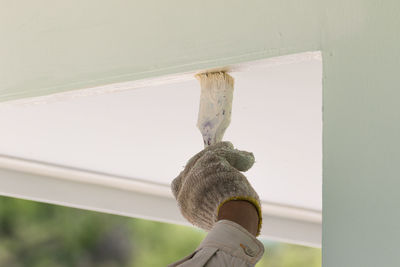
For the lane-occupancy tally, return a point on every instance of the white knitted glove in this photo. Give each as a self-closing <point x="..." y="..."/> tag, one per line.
<point x="211" y="178"/>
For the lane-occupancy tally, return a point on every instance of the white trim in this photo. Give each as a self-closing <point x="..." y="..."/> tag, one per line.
<point x="82" y="176"/>
<point x="125" y="196"/>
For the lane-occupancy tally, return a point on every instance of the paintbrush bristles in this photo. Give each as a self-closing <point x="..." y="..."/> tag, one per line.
<point x="215" y="105"/>
<point x="215" y="80"/>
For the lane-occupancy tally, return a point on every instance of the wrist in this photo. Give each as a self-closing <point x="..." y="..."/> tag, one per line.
<point x="241" y="212"/>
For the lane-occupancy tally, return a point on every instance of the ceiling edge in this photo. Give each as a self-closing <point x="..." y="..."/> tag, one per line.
<point x="163" y="80"/>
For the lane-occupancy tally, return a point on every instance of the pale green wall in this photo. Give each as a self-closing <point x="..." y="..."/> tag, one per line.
<point x="361" y="133"/>
<point x="51" y="46"/>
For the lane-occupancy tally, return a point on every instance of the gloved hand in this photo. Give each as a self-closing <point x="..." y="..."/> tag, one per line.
<point x="211" y="178"/>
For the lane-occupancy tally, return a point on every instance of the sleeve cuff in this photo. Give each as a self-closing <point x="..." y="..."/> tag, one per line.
<point x="235" y="240"/>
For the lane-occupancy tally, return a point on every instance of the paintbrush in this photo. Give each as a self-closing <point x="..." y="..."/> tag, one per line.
<point x="215" y="105"/>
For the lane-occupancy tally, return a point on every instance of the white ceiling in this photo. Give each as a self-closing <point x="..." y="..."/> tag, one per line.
<point x="150" y="132"/>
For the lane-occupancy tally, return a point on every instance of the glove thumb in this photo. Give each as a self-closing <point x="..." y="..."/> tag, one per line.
<point x="239" y="159"/>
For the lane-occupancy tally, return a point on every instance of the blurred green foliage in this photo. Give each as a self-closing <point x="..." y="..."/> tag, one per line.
<point x="35" y="234"/>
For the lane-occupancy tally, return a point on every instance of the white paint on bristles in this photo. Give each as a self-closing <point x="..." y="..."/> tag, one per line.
<point x="215" y="105"/>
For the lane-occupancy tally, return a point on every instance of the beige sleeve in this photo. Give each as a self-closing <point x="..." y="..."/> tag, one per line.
<point x="227" y="244"/>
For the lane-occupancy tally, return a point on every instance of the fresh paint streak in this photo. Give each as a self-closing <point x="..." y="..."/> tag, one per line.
<point x="164" y="80"/>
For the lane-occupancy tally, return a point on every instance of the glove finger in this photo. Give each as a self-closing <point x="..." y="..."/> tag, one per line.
<point x="239" y="159"/>
<point x="176" y="183"/>
<point x="217" y="146"/>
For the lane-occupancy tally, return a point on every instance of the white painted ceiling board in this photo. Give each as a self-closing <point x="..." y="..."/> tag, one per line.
<point x="149" y="133"/>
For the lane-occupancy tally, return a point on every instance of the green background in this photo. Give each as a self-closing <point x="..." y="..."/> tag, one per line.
<point x="35" y="234"/>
